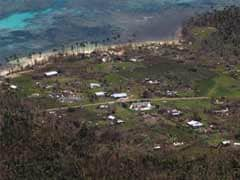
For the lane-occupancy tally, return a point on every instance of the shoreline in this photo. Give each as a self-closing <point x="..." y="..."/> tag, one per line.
<point x="27" y="62"/>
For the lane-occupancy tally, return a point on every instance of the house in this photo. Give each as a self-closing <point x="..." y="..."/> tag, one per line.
<point x="95" y="85"/>
<point x="195" y="124"/>
<point x="141" y="106"/>
<point x="119" y="95"/>
<point x="174" y="112"/>
<point x="100" y="94"/>
<point x="51" y="73"/>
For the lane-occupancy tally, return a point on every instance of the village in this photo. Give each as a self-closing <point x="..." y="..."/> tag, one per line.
<point x="154" y="90"/>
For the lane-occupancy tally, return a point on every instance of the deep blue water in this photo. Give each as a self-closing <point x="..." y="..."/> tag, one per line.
<point x="27" y="27"/>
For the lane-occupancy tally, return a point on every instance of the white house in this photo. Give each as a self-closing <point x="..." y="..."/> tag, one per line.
<point x="51" y="73"/>
<point x="141" y="106"/>
<point x="195" y="124"/>
<point x="100" y="94"/>
<point x="95" y="85"/>
<point x="119" y="95"/>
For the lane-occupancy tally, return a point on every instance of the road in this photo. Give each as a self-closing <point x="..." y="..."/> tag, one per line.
<point x="127" y="101"/>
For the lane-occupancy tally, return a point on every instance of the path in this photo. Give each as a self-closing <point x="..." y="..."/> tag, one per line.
<point x="127" y="101"/>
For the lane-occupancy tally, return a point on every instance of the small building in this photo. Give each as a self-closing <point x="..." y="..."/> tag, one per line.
<point x="195" y="124"/>
<point x="95" y="85"/>
<point x="236" y="144"/>
<point x="156" y="147"/>
<point x="111" y="117"/>
<point x="141" y="106"/>
<point x="119" y="95"/>
<point x="100" y="94"/>
<point x="226" y="143"/>
<point x="174" y="112"/>
<point x="178" y="143"/>
<point x="51" y="73"/>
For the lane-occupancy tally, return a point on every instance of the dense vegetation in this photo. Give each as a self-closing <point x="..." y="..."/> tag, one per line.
<point x="216" y="32"/>
<point x="31" y="149"/>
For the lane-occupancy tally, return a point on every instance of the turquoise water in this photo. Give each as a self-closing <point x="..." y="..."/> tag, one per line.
<point x="19" y="21"/>
<point x="29" y="27"/>
<point x="16" y="21"/>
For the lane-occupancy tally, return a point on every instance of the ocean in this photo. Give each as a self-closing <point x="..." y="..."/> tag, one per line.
<point x="33" y="26"/>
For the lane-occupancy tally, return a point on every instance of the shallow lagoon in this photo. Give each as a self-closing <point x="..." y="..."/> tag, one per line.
<point x="16" y="21"/>
<point x="56" y="22"/>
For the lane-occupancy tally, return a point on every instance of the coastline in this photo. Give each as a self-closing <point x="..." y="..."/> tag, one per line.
<point x="24" y="63"/>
